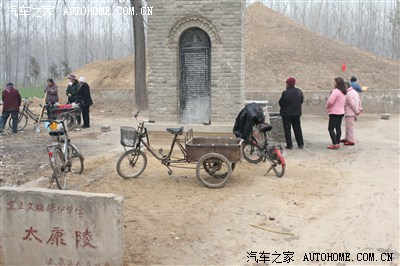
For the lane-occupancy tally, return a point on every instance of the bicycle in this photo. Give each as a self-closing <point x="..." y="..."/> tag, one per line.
<point x="64" y="156"/>
<point x="130" y="137"/>
<point x="67" y="114"/>
<point x="24" y="114"/>
<point x="215" y="156"/>
<point x="258" y="149"/>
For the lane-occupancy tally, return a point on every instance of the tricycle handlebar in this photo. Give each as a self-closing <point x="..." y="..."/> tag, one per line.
<point x="136" y="116"/>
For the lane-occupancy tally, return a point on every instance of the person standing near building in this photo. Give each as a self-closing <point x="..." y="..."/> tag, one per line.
<point x="52" y="92"/>
<point x="73" y="94"/>
<point x="355" y="85"/>
<point x="11" y="103"/>
<point x="52" y="95"/>
<point x="352" y="108"/>
<point x="335" y="108"/>
<point x="73" y="89"/>
<point x="290" y="103"/>
<point x="86" y="101"/>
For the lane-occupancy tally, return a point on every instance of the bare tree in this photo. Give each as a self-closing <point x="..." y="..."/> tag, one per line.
<point x="6" y="47"/>
<point x="66" y="68"/>
<point x="54" y="72"/>
<point x="34" y="69"/>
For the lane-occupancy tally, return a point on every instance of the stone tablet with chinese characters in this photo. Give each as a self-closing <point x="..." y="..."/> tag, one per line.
<point x="52" y="227"/>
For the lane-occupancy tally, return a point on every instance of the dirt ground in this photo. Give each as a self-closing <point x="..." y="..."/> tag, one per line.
<point x="328" y="201"/>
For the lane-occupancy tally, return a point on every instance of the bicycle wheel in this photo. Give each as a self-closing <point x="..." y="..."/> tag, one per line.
<point x="76" y="159"/>
<point x="213" y="170"/>
<point x="252" y="153"/>
<point x="69" y="120"/>
<point x="22" y="121"/>
<point x="278" y="162"/>
<point x="57" y="162"/>
<point x="131" y="164"/>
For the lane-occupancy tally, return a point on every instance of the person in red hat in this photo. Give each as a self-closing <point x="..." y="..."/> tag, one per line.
<point x="290" y="103"/>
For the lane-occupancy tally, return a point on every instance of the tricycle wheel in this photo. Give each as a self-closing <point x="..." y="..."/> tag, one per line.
<point x="69" y="120"/>
<point x="213" y="170"/>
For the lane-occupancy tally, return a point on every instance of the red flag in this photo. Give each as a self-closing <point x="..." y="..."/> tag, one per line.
<point x="344" y="67"/>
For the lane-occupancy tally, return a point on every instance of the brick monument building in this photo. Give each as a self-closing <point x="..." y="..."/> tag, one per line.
<point x="195" y="53"/>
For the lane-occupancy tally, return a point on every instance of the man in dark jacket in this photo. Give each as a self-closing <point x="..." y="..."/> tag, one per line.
<point x="73" y="89"/>
<point x="73" y="93"/>
<point x="86" y="101"/>
<point x="290" y="103"/>
<point x="11" y="103"/>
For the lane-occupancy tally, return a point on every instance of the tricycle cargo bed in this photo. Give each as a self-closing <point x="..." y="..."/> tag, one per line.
<point x="231" y="148"/>
<point x="55" y="112"/>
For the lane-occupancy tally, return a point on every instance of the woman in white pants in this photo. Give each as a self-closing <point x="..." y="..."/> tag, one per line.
<point x="352" y="109"/>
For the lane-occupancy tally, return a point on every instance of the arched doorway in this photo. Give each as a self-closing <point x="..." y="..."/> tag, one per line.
<point x="195" y="76"/>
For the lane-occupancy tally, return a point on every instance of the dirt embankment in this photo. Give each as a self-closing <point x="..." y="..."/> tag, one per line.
<point x="278" y="47"/>
<point x="116" y="74"/>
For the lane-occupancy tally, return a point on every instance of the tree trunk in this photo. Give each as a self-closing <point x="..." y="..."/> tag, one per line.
<point x="140" y="57"/>
<point x="6" y="36"/>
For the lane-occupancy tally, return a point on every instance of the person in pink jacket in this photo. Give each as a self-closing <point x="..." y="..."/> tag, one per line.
<point x="335" y="108"/>
<point x="352" y="109"/>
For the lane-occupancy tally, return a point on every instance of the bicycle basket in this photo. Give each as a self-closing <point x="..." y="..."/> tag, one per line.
<point x="129" y="136"/>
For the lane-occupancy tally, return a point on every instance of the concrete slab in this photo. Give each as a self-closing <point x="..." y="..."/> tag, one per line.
<point x="52" y="227"/>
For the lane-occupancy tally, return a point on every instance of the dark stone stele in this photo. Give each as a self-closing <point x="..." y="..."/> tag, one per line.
<point x="195" y="70"/>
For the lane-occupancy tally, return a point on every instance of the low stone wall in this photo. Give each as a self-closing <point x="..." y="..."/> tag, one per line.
<point x="52" y="227"/>
<point x="376" y="101"/>
<point x="104" y="96"/>
<point x="276" y="134"/>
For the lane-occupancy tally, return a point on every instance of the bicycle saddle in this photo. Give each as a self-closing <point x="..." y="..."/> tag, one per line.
<point x="175" y="131"/>
<point x="56" y="133"/>
<point x="265" y="127"/>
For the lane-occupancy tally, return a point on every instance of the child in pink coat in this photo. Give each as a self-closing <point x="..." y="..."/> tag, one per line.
<point x="352" y="109"/>
<point x="335" y="107"/>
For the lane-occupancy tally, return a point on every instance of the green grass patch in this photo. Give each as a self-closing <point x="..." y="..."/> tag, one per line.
<point x="28" y="92"/>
